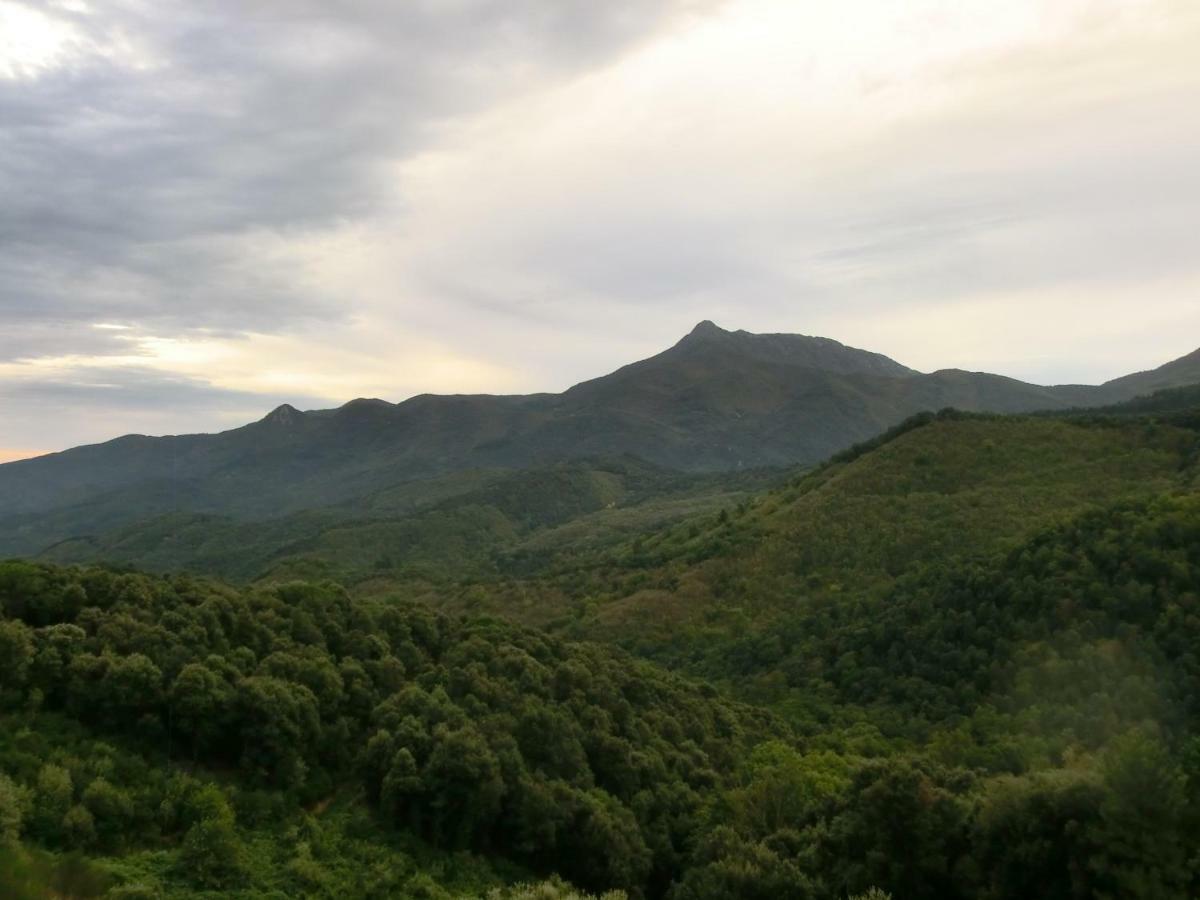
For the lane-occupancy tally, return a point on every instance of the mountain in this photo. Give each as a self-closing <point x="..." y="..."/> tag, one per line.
<point x="958" y="661"/>
<point x="716" y="401"/>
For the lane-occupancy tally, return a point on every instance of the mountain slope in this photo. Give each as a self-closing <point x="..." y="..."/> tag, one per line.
<point x="445" y="528"/>
<point x="716" y="401"/>
<point x="949" y="487"/>
<point x="1177" y="373"/>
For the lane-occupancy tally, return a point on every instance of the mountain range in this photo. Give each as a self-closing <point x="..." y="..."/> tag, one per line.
<point x="716" y="401"/>
<point x="955" y="660"/>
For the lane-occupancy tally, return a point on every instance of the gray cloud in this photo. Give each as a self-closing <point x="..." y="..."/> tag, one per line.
<point x="128" y="388"/>
<point x="126" y="191"/>
<point x="129" y="399"/>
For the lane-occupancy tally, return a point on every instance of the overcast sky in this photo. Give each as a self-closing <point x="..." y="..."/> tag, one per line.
<point x="209" y="208"/>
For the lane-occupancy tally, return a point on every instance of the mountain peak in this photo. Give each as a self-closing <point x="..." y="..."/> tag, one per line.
<point x="800" y="350"/>
<point x="366" y="414"/>
<point x="707" y="328"/>
<point x="284" y="414"/>
<point x="366" y="403"/>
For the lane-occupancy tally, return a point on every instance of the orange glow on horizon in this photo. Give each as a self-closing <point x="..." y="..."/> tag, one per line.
<point x="8" y="454"/>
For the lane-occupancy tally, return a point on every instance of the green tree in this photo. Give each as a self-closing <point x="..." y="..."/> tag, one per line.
<point x="201" y="706"/>
<point x="728" y="865"/>
<point x="278" y="725"/>
<point x="16" y="656"/>
<point x="79" y="827"/>
<point x="53" y="795"/>
<point x="14" y="806"/>
<point x="111" y="809"/>
<point x="462" y="781"/>
<point x="900" y="829"/>
<point x="782" y="788"/>
<point x="212" y="855"/>
<point x="1034" y="835"/>
<point x="1143" y="848"/>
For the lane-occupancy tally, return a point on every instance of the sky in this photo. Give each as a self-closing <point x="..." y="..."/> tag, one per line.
<point x="208" y="209"/>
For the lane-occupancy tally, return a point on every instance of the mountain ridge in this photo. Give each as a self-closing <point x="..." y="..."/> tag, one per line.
<point x="704" y="333"/>
<point x="715" y="401"/>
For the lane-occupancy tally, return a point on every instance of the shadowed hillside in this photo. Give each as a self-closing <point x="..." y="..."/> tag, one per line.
<point x="443" y="528"/>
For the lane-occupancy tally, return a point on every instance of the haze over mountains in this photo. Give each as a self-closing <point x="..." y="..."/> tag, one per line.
<point x="716" y="401"/>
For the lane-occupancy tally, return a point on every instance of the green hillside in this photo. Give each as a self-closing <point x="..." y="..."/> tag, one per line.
<point x="937" y="489"/>
<point x="1052" y="693"/>
<point x="437" y="530"/>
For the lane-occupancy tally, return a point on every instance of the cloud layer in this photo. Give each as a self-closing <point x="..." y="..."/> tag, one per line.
<point x="209" y="208"/>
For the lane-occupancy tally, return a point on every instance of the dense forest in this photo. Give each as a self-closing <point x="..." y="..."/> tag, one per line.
<point x="960" y="661"/>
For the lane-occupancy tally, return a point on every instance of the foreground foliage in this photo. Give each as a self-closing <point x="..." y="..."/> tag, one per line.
<point x="471" y="734"/>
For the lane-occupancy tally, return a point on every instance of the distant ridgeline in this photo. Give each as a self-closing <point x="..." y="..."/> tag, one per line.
<point x="717" y="401"/>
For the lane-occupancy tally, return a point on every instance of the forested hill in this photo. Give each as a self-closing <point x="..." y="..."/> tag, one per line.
<point x="940" y="488"/>
<point x="1014" y="720"/>
<point x="224" y="715"/>
<point x="717" y="401"/>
